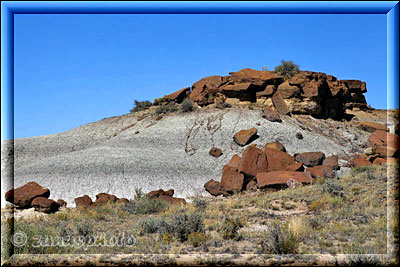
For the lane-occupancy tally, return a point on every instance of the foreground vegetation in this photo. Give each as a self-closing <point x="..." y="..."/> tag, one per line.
<point x="347" y="215"/>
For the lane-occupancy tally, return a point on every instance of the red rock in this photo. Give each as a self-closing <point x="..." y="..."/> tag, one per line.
<point x="281" y="178"/>
<point x="298" y="167"/>
<point x="379" y="161"/>
<point x="355" y="85"/>
<point x="243" y="137"/>
<point x="22" y="196"/>
<point x="252" y="185"/>
<point x="213" y="187"/>
<point x="215" y="152"/>
<point x="172" y="200"/>
<point x="280" y="104"/>
<point x="267" y="92"/>
<point x="45" y="205"/>
<point x="255" y="76"/>
<point x="311" y="159"/>
<point x="62" y="203"/>
<point x="271" y="115"/>
<point x="325" y="171"/>
<point x="178" y="96"/>
<point x="83" y="202"/>
<point x="359" y="162"/>
<point x="276" y="146"/>
<point x="235" y="161"/>
<point x="242" y="91"/>
<point x="392" y="161"/>
<point x="169" y="192"/>
<point x="312" y="89"/>
<point x="204" y="88"/>
<point x="155" y="193"/>
<point x="278" y="160"/>
<point x="122" y="201"/>
<point x="104" y="198"/>
<point x="382" y="138"/>
<point x="371" y="126"/>
<point x="385" y="151"/>
<point x="231" y="180"/>
<point x="332" y="161"/>
<point x="253" y="161"/>
<point x="288" y="91"/>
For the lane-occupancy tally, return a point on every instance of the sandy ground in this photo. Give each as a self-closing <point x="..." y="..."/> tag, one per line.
<point x="110" y="156"/>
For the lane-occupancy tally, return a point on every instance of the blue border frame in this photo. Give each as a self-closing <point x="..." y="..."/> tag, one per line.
<point x="8" y="9"/>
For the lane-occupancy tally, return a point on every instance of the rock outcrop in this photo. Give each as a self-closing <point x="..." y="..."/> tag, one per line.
<point x="23" y="196"/>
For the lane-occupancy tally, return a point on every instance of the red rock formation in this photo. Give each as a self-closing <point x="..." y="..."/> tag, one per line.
<point x="23" y="196"/>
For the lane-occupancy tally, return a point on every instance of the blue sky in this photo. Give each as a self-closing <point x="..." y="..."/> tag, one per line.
<point x="75" y="69"/>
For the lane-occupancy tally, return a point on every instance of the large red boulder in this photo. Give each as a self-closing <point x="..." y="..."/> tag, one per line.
<point x="22" y="196"/>
<point x="311" y="159"/>
<point x="253" y="161"/>
<point x="243" y="137"/>
<point x="178" y="96"/>
<point x="385" y="151"/>
<point x="213" y="187"/>
<point x="155" y="193"/>
<point x="206" y="87"/>
<point x="83" y="202"/>
<point x="280" y="104"/>
<point x="276" y="146"/>
<point x="281" y="178"/>
<point x="278" y="160"/>
<point x="371" y="126"/>
<point x="267" y="92"/>
<point x="325" y="171"/>
<point x="241" y="91"/>
<point x="172" y="200"/>
<point x="104" y="198"/>
<point x="383" y="138"/>
<point x="288" y="91"/>
<point x="360" y="162"/>
<point x="232" y="180"/>
<point x="45" y="205"/>
<point x="332" y="161"/>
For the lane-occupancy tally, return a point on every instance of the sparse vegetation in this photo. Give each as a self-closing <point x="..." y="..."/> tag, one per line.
<point x="223" y="105"/>
<point x="140" y="105"/>
<point x="279" y="240"/>
<point x="287" y="69"/>
<point x="166" y="109"/>
<point x="187" y="105"/>
<point x="158" y="101"/>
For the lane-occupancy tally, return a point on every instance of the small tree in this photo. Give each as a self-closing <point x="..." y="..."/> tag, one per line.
<point x="287" y="69"/>
<point x="141" y="105"/>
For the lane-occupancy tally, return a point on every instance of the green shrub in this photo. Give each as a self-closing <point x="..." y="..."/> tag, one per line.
<point x="183" y="224"/>
<point x="196" y="239"/>
<point x="287" y="69"/>
<point x="335" y="189"/>
<point x="279" y="240"/>
<point x="158" y="101"/>
<point x="229" y="228"/>
<point x="223" y="105"/>
<point x="152" y="225"/>
<point x="187" y="105"/>
<point x="141" y="105"/>
<point x="200" y="203"/>
<point x="166" y="109"/>
<point x="144" y="205"/>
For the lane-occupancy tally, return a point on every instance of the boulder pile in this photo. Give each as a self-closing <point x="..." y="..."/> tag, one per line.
<point x="383" y="147"/>
<point x="271" y="167"/>
<point x="306" y="92"/>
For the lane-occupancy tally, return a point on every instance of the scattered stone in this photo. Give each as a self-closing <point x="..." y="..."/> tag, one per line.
<point x="243" y="137"/>
<point x="213" y="187"/>
<point x="166" y="196"/>
<point x="299" y="136"/>
<point x="281" y="178"/>
<point x="332" y="161"/>
<point x="360" y="162"/>
<point x="271" y="115"/>
<point x="325" y="171"/>
<point x="258" y="124"/>
<point x="62" y="203"/>
<point x="136" y="132"/>
<point x="276" y="146"/>
<point x="43" y="204"/>
<point x="311" y="159"/>
<point x="83" y="202"/>
<point x="22" y="196"/>
<point x="253" y="161"/>
<point x="231" y="180"/>
<point x="215" y="152"/>
<point x="172" y="200"/>
<point x="104" y="198"/>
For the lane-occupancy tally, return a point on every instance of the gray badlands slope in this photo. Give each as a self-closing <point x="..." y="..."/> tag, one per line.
<point x="110" y="156"/>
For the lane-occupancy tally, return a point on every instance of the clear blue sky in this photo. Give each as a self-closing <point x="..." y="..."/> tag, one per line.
<point x="75" y="69"/>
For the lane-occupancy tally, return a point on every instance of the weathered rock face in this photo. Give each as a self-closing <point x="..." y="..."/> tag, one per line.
<point x="243" y="137"/>
<point x="307" y="92"/>
<point x="371" y="126"/>
<point x="22" y="196"/>
<point x="43" y="204"/>
<point x="253" y="161"/>
<point x="278" y="160"/>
